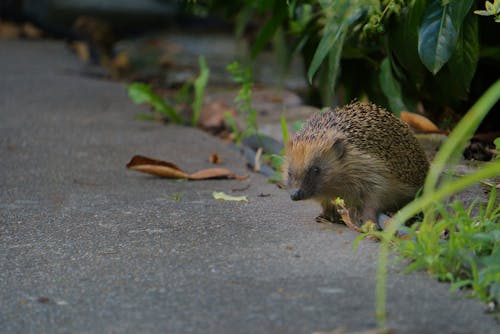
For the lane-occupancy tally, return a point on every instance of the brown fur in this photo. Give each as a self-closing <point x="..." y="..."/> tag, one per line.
<point x="364" y="155"/>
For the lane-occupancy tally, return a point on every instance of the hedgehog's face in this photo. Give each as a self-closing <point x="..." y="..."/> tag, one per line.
<point x="309" y="173"/>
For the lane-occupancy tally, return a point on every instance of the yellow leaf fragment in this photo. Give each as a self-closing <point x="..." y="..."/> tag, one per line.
<point x="225" y="197"/>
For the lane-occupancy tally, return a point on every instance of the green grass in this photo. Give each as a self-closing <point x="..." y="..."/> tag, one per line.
<point x="429" y="203"/>
<point x="199" y="90"/>
<point x="460" y="247"/>
<point x="243" y="76"/>
<point x="143" y="93"/>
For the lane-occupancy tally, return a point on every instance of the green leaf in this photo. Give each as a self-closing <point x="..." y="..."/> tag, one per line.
<point x="403" y="44"/>
<point x="142" y="93"/>
<point x="199" y="90"/>
<point x="459" y="10"/>
<point x="329" y="76"/>
<point x="391" y="88"/>
<point x="437" y="36"/>
<point x="497" y="143"/>
<point x="284" y="128"/>
<point x="464" y="60"/>
<point x="335" y="30"/>
<point x="280" y="12"/>
<point x="330" y="37"/>
<point x="451" y="84"/>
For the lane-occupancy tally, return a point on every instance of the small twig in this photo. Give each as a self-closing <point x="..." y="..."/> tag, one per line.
<point x="258" y="154"/>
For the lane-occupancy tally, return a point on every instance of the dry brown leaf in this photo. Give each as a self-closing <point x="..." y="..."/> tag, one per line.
<point x="214" y="158"/>
<point x="156" y="167"/>
<point x="9" y="30"/>
<point x="120" y="62"/>
<point x="418" y="122"/>
<point x="31" y="31"/>
<point x="215" y="173"/>
<point x="170" y="170"/>
<point x="212" y="115"/>
<point x="82" y="50"/>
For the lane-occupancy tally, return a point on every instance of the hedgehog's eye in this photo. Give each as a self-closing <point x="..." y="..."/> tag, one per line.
<point x="316" y="170"/>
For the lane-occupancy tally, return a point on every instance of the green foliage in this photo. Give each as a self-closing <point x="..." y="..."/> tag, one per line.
<point x="405" y="50"/>
<point x="143" y="93"/>
<point x="496" y="142"/>
<point x="391" y="87"/>
<point x="432" y="195"/>
<point x="176" y="196"/>
<point x="243" y="76"/>
<point x="491" y="9"/>
<point x="279" y="9"/>
<point x="284" y="128"/>
<point x="199" y="90"/>
<point x="276" y="161"/>
<point x="459" y="247"/>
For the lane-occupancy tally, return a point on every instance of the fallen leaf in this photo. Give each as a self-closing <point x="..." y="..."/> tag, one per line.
<point x="172" y="171"/>
<point x="120" y="64"/>
<point x="81" y="50"/>
<point x="225" y="197"/>
<point x="156" y="167"/>
<point x="418" y="122"/>
<point x="43" y="300"/>
<point x="31" y="31"/>
<point x="212" y="115"/>
<point x="9" y="30"/>
<point x="214" y="158"/>
<point x="215" y="173"/>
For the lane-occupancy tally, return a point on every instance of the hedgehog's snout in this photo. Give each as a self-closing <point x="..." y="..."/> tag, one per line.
<point x="297" y="195"/>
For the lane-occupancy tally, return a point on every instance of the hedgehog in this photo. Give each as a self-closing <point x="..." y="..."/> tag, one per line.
<point x="361" y="153"/>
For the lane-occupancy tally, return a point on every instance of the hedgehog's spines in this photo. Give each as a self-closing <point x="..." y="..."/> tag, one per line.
<point x="381" y="166"/>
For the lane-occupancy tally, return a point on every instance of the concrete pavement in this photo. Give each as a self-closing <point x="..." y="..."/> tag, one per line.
<point x="87" y="246"/>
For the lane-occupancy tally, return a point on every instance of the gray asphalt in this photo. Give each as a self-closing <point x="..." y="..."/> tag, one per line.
<point x="87" y="246"/>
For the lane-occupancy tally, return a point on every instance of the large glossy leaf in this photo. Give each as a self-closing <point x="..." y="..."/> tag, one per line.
<point x="391" y="88"/>
<point x="452" y="83"/>
<point x="437" y="36"/>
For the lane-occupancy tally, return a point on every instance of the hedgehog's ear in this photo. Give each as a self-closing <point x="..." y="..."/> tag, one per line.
<point x="338" y="148"/>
